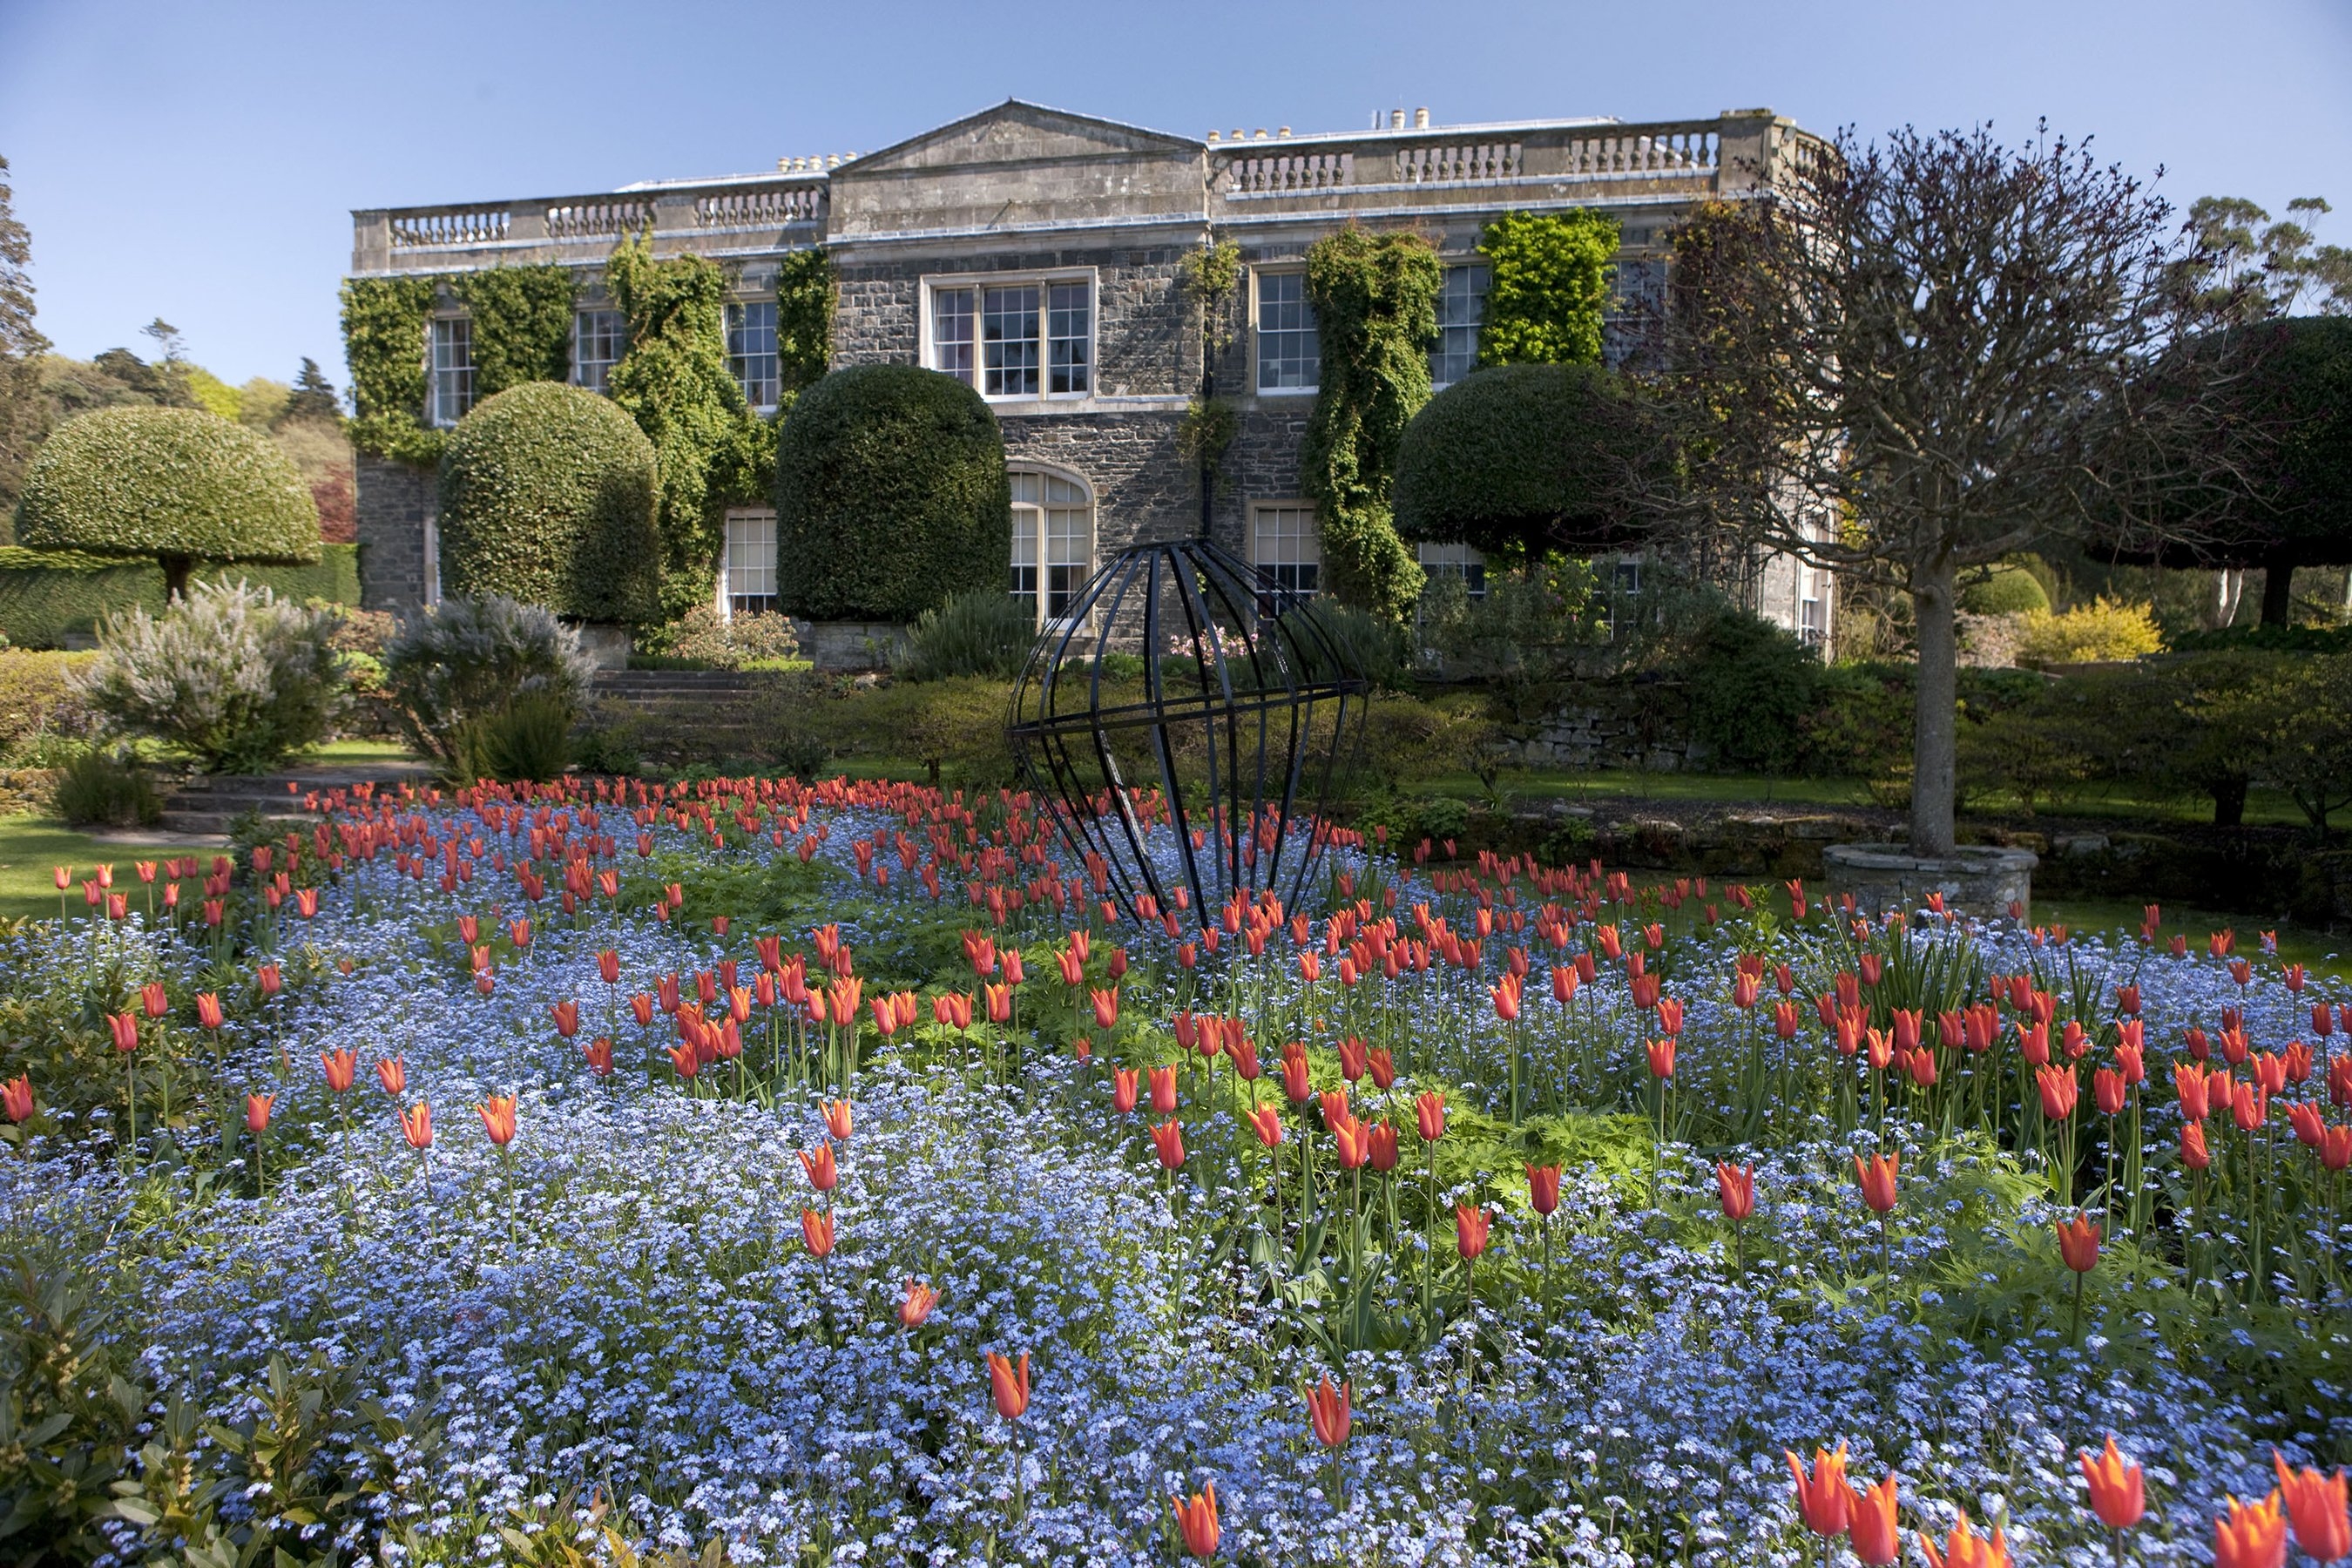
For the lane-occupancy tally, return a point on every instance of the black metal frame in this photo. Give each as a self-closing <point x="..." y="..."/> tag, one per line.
<point x="1223" y="650"/>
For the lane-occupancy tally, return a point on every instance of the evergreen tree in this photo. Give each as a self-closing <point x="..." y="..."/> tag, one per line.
<point x="20" y="347"/>
<point x="314" y="396"/>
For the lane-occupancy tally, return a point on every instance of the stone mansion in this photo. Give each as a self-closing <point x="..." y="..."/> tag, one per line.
<point x="1037" y="255"/>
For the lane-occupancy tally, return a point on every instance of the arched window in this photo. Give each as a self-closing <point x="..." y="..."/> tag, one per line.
<point x="1053" y="541"/>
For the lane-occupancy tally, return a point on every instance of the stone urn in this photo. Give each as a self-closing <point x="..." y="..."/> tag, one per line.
<point x="1982" y="881"/>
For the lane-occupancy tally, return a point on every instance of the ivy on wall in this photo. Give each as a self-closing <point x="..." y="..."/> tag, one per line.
<point x="804" y="291"/>
<point x="1549" y="286"/>
<point x="522" y="324"/>
<point x="1375" y="298"/>
<point x="383" y="342"/>
<point x="710" y="448"/>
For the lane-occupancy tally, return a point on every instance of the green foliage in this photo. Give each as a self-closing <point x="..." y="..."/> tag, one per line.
<point x="985" y="632"/>
<point x="2102" y="629"/>
<point x="1523" y="460"/>
<point x="1375" y="298"/>
<point x="236" y="677"/>
<point x="1549" y="286"/>
<point x="1377" y="649"/>
<point x="45" y="594"/>
<point x="173" y="483"/>
<point x="709" y="447"/>
<point x="38" y="706"/>
<point x="106" y="788"/>
<point x="383" y="344"/>
<point x="547" y="496"/>
<point x="1207" y="428"/>
<point x="449" y="665"/>
<point x="67" y="1416"/>
<point x="2266" y="639"/>
<point x="1750" y="685"/>
<point x="2007" y="590"/>
<point x="804" y="293"/>
<point x="529" y="739"/>
<point x="699" y="639"/>
<point x="891" y="495"/>
<point x="609" y="742"/>
<point x="522" y="324"/>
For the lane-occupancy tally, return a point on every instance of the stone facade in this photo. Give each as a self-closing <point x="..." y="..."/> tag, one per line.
<point x="1020" y="194"/>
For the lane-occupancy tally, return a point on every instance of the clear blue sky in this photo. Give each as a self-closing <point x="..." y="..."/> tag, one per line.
<point x="199" y="160"/>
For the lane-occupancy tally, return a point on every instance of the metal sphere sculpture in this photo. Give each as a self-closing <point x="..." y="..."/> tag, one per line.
<point x="1187" y="722"/>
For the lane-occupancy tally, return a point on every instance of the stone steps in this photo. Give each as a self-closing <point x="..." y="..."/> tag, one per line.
<point x="210" y="804"/>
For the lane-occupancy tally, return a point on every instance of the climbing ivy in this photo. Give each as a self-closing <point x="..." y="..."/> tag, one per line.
<point x="803" y="320"/>
<point x="1210" y="278"/>
<point x="383" y="342"/>
<point x="1549" y="277"/>
<point x="1375" y="298"/>
<point x="522" y="324"/>
<point x="710" y="448"/>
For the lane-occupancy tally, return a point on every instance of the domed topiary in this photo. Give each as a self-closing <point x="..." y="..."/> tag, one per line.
<point x="547" y="496"/>
<point x="891" y="496"/>
<point x="2009" y="591"/>
<point x="1523" y="460"/>
<point x="180" y="485"/>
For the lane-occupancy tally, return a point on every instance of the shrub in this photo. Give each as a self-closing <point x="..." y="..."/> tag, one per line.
<point x="2103" y="629"/>
<point x="38" y="702"/>
<point x="236" y="677"/>
<point x="176" y="484"/>
<point x="45" y="595"/>
<point x="2010" y="590"/>
<point x="891" y="495"/>
<point x="526" y="741"/>
<point x="1370" y="646"/>
<point x="611" y="742"/>
<point x="547" y="496"/>
<point x="106" y="788"/>
<point x="986" y="632"/>
<point x="1751" y="684"/>
<point x="1523" y="460"/>
<point x="465" y="657"/>
<point x="700" y="641"/>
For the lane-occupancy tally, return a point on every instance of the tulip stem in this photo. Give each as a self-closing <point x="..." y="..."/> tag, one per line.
<point x="2075" y="1327"/>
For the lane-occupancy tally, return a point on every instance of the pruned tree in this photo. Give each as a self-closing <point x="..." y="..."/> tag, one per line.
<point x="21" y="347"/>
<point x="1906" y="360"/>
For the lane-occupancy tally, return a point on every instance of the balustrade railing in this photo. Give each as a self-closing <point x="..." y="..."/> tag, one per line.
<point x="598" y="219"/>
<point x="1642" y="153"/>
<point x="457" y="225"/>
<point x="1292" y="172"/>
<point x="765" y="207"/>
<point x="1481" y="161"/>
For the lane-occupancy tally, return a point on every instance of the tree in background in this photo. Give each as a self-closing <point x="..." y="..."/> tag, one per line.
<point x="1547" y="288"/>
<point x="21" y="347"/>
<point x="313" y="398"/>
<point x="2249" y="267"/>
<point x="1375" y="298"/>
<point x="1916" y="357"/>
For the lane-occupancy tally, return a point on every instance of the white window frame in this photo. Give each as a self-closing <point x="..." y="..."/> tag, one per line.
<point x="1476" y="324"/>
<point x="741" y="523"/>
<point x="1258" y="276"/>
<point x="1453" y="561"/>
<point x="775" y="379"/>
<point x="1044" y="280"/>
<point x="1312" y="533"/>
<point x="580" y="361"/>
<point x="436" y="415"/>
<point x="1041" y="542"/>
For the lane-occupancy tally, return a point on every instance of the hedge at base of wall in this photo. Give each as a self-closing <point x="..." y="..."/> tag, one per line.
<point x="45" y="594"/>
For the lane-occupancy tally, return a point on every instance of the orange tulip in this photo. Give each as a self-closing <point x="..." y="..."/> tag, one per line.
<point x="816" y="1229"/>
<point x="2193" y="1153"/>
<point x="1823" y="1500"/>
<point x="1106" y="1004"/>
<point x="2058" y="1090"/>
<point x="17" y="1096"/>
<point x="1168" y="1139"/>
<point x="2253" y="1536"/>
<point x="153" y="999"/>
<point x="823" y="1174"/>
<point x="417" y="1124"/>
<point x="917" y="1307"/>
<point x="1382" y="1146"/>
<point x="1163" y="1090"/>
<point x="124" y="1027"/>
<point x="1009" y="1383"/>
<point x="1967" y="1549"/>
<point x="1736" y="1186"/>
<point x="393" y="1073"/>
<point x="2078" y="1243"/>
<point x="341" y="1067"/>
<point x="1429" y="1115"/>
<point x="837" y="1119"/>
<point x="2316" y="1502"/>
<point x="1662" y="1058"/>
<point x="257" y="1112"/>
<point x="1877" y="1539"/>
<point x="209" y="1009"/>
<point x="1268" y="1124"/>
<point x="1470" y="1223"/>
<point x="1877" y="1179"/>
<point x="2117" y="1494"/>
<point x="1122" y="1089"/>
<point x="497" y="1114"/>
<point x="1327" y="1409"/>
<point x="1196" y="1520"/>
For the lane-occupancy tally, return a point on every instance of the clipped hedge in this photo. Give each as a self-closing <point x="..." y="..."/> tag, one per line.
<point x="1522" y="459"/>
<point x="547" y="496"/>
<point x="45" y="594"/>
<point x="167" y="483"/>
<point x="891" y="496"/>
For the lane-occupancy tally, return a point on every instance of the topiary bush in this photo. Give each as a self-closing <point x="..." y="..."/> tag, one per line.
<point x="547" y="496"/>
<point x="1751" y="685"/>
<point x="986" y="632"/>
<point x="2008" y="591"/>
<point x="891" y="496"/>
<point x="463" y="659"/>
<point x="179" y="484"/>
<point x="98" y="787"/>
<point x="236" y="677"/>
<point x="1524" y="459"/>
<point x="2103" y="629"/>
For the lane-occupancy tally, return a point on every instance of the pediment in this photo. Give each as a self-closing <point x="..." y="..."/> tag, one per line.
<point x="1017" y="132"/>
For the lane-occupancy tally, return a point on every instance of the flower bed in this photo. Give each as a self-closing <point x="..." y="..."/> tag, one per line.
<point x="760" y="1117"/>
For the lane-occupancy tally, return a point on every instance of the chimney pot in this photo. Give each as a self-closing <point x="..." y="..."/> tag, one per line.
<point x="1237" y="134"/>
<point x="1396" y="119"/>
<point x="1284" y="133"/>
<point x="1421" y="120"/>
<point x="1259" y="135"/>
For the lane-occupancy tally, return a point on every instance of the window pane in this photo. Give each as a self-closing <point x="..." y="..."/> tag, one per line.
<point x="1456" y="560"/>
<point x="952" y="333"/>
<point x="599" y="338"/>
<point x="1069" y="343"/>
<point x="1069" y="546"/>
<point x="452" y="388"/>
<point x="751" y="350"/>
<point x="1289" y="357"/>
<point x="1286" y="548"/>
<point x="1009" y="342"/>
<point x="1023" y="580"/>
<point x="751" y="562"/>
<point x="1461" y="306"/>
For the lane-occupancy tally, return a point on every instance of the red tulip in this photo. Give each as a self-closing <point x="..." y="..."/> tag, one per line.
<point x="2253" y="1536"/>
<point x="599" y="1053"/>
<point x="2193" y="1153"/>
<point x="1543" y="1188"/>
<point x="1163" y="1090"/>
<point x="497" y="1114"/>
<point x="1382" y="1147"/>
<point x="1877" y="1180"/>
<point x="2316" y="1502"/>
<point x="1327" y="1409"/>
<point x="1168" y="1138"/>
<point x="257" y="1112"/>
<point x="1123" y="1081"/>
<point x="1296" y="1083"/>
<point x="1268" y="1123"/>
<point x="2078" y="1243"/>
<point x="1877" y="1539"/>
<point x="1823" y="1500"/>
<point x="1429" y="1115"/>
<point x="1736" y="1187"/>
<point x="1009" y="1383"/>
<point x="2117" y="1494"/>
<point x="16" y="1097"/>
<point x="1470" y="1223"/>
<point x="2058" y="1090"/>
<point x="124" y="1027"/>
<point x="1196" y="1520"/>
<point x="393" y="1073"/>
<point x="209" y="1009"/>
<point x="1106" y="1005"/>
<point x="818" y="1162"/>
<point x="816" y="1229"/>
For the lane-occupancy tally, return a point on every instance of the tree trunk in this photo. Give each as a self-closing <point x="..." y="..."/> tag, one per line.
<point x="2278" y="594"/>
<point x="175" y="575"/>
<point x="2226" y="584"/>
<point x="1937" y="706"/>
<point x="2230" y="802"/>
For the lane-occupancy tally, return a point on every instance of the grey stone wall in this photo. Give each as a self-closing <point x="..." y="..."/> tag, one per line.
<point x="1143" y="487"/>
<point x="393" y="503"/>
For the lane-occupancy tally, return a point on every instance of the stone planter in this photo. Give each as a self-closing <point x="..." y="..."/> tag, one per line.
<point x="1984" y="882"/>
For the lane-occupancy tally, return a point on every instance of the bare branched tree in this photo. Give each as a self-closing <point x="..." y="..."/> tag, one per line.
<point x="1906" y="360"/>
